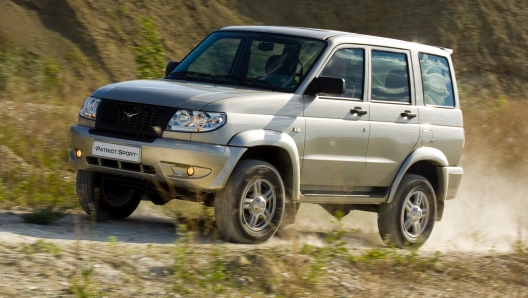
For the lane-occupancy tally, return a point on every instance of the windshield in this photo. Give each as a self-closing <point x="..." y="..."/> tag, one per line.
<point x="259" y="60"/>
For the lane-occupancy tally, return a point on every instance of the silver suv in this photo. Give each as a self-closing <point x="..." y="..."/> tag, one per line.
<point x="257" y="120"/>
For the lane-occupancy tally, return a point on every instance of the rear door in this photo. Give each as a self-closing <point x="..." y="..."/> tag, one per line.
<point x="337" y="128"/>
<point x="394" y="128"/>
<point x="440" y="114"/>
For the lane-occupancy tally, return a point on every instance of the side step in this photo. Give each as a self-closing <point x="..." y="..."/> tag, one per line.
<point x="377" y="196"/>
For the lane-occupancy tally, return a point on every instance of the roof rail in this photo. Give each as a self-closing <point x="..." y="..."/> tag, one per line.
<point x="450" y="51"/>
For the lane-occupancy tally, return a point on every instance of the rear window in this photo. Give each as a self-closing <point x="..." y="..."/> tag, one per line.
<point x="437" y="83"/>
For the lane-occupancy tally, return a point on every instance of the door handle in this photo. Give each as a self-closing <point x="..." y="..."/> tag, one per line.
<point x="356" y="111"/>
<point x="407" y="114"/>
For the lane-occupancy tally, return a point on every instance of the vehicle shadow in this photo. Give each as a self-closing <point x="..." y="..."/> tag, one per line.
<point x="149" y="227"/>
<point x="135" y="229"/>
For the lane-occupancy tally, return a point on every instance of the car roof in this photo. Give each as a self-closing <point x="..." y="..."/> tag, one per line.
<point x="346" y="37"/>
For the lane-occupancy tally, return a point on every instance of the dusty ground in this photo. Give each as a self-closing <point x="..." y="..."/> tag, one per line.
<point x="143" y="256"/>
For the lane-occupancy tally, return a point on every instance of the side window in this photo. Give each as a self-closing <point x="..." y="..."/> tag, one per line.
<point x="437" y="83"/>
<point x="347" y="64"/>
<point x="390" y="77"/>
<point x="216" y="60"/>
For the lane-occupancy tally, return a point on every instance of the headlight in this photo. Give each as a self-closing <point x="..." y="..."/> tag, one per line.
<point x="89" y="108"/>
<point x="196" y="121"/>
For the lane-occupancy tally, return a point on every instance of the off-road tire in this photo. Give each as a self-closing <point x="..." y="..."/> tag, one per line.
<point x="392" y="217"/>
<point x="233" y="212"/>
<point x="94" y="192"/>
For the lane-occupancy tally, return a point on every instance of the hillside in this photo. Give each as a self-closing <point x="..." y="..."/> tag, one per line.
<point x="92" y="41"/>
<point x="488" y="37"/>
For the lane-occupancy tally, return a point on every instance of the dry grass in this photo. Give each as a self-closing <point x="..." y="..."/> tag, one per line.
<point x="190" y="269"/>
<point x="496" y="129"/>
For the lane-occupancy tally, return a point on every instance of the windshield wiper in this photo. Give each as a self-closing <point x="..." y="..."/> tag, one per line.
<point x="194" y="73"/>
<point x="248" y="79"/>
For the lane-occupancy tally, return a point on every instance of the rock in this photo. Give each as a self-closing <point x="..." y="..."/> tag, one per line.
<point x="243" y="261"/>
<point x="242" y="282"/>
<point x="249" y="279"/>
<point x="347" y="285"/>
<point x="107" y="273"/>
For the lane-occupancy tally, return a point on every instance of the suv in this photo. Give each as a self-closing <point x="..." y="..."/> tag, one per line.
<point x="258" y="119"/>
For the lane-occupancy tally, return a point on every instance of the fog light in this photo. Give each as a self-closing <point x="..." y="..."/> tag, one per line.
<point x="190" y="171"/>
<point x="78" y="153"/>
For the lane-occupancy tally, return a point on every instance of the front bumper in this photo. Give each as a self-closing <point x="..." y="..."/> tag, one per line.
<point x="164" y="160"/>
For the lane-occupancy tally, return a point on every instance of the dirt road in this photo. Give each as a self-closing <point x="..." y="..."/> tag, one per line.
<point x="138" y="257"/>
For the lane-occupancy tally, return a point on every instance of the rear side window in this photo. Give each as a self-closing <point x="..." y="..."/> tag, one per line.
<point x="390" y="77"/>
<point x="437" y="83"/>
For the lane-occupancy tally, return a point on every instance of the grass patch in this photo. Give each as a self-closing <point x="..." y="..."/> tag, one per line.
<point x="83" y="286"/>
<point x="25" y="72"/>
<point x="40" y="246"/>
<point x="43" y="193"/>
<point x="335" y="247"/>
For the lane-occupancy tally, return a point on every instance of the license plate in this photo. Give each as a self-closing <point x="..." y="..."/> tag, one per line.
<point x="114" y="151"/>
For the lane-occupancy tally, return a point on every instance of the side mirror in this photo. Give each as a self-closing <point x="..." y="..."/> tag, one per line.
<point x="170" y="67"/>
<point x="327" y="85"/>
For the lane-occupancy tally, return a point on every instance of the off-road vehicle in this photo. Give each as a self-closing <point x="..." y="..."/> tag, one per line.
<point x="259" y="119"/>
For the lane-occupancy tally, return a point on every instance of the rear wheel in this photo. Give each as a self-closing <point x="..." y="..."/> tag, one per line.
<point x="250" y="208"/>
<point x="408" y="220"/>
<point x="101" y="196"/>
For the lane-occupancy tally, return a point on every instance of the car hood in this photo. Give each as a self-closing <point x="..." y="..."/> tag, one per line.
<point x="186" y="95"/>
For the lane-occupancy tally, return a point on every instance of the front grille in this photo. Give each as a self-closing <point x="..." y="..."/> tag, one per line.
<point x="122" y="135"/>
<point x="139" y="120"/>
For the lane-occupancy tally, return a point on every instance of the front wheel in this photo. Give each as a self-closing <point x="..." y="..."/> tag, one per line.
<point x="249" y="209"/>
<point x="408" y="220"/>
<point x="101" y="196"/>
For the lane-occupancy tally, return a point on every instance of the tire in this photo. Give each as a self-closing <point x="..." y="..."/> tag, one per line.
<point x="250" y="208"/>
<point x="407" y="221"/>
<point x="101" y="197"/>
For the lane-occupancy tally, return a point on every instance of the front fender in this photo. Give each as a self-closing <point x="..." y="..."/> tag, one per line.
<point x="259" y="137"/>
<point x="435" y="156"/>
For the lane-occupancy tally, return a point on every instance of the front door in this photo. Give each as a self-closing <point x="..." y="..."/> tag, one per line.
<point x="337" y="129"/>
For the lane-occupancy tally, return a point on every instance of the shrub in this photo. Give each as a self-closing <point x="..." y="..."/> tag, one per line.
<point x="150" y="57"/>
<point x="43" y="215"/>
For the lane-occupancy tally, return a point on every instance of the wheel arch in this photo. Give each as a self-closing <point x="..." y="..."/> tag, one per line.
<point x="428" y="163"/>
<point x="276" y="148"/>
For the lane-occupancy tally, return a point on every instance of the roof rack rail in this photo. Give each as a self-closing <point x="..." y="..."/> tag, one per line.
<point x="450" y="51"/>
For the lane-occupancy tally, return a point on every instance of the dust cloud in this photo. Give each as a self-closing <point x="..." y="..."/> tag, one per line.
<point x="490" y="213"/>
